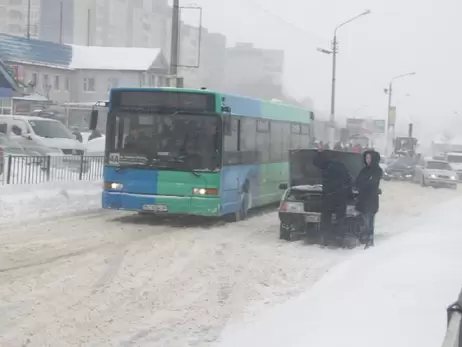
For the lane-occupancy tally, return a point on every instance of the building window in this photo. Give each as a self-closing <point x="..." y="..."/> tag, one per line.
<point x="67" y="84"/>
<point x="152" y="81"/>
<point x="15" y="2"/>
<point x="112" y="82"/>
<point x="14" y="14"/>
<point x="89" y="84"/>
<point x="34" y="79"/>
<point x="15" y="28"/>
<point x="56" y="85"/>
<point x="46" y="81"/>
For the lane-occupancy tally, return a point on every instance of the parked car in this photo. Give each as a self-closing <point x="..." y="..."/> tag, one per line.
<point x="400" y="169"/>
<point x="31" y="151"/>
<point x="46" y="132"/>
<point x="435" y="173"/>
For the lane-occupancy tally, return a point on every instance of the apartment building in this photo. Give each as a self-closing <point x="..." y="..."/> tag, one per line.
<point x="15" y="16"/>
<point x="246" y="64"/>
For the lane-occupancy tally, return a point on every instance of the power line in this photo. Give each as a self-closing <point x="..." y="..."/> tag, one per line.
<point x="309" y="34"/>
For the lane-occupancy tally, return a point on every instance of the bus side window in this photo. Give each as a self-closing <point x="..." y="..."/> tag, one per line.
<point x="285" y="140"/>
<point x="295" y="136"/>
<point x="276" y="142"/>
<point x="305" y="137"/>
<point x="247" y="140"/>
<point x="263" y="141"/>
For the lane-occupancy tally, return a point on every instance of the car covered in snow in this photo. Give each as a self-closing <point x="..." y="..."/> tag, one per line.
<point x="455" y="160"/>
<point x="435" y="173"/>
<point x="300" y="207"/>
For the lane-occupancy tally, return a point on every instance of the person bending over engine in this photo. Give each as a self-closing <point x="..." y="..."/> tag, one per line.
<point x="337" y="185"/>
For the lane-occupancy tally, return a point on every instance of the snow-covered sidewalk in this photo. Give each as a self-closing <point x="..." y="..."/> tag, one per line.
<point x="392" y="295"/>
<point x="19" y="203"/>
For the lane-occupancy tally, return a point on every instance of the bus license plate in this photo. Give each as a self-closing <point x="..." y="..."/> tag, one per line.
<point x="313" y="218"/>
<point x="155" y="208"/>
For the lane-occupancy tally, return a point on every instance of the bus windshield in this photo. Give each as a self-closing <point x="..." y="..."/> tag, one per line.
<point x="180" y="141"/>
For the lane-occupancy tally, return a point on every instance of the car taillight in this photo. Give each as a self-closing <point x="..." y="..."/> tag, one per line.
<point x="291" y="207"/>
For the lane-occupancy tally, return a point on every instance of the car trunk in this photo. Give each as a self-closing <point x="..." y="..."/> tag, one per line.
<point x="304" y="172"/>
<point x="306" y="178"/>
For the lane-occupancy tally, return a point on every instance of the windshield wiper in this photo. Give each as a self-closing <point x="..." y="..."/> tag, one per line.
<point x="181" y="161"/>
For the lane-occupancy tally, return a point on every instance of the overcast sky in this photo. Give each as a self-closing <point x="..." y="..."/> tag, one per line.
<point x="399" y="36"/>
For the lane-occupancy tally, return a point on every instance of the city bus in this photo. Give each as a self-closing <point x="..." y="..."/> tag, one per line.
<point x="197" y="152"/>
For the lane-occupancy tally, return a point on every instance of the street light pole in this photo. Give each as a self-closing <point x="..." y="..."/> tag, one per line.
<point x="334" y="52"/>
<point x="174" y="44"/>
<point x="28" y="19"/>
<point x="389" y="91"/>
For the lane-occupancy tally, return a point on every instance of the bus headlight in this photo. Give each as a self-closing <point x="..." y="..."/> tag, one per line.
<point x="205" y="191"/>
<point x="454" y="178"/>
<point x="113" y="185"/>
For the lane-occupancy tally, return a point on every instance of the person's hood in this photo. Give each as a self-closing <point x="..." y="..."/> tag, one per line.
<point x="375" y="157"/>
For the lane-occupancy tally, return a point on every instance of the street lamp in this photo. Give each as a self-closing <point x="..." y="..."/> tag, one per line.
<point x="334" y="52"/>
<point x="389" y="91"/>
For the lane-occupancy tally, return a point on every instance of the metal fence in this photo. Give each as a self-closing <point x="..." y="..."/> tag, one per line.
<point x="41" y="169"/>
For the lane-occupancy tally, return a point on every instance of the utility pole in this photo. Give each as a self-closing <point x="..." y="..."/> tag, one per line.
<point x="387" y="133"/>
<point x="89" y="27"/>
<point x="332" y="99"/>
<point x="61" y="22"/>
<point x="389" y="91"/>
<point x="334" y="52"/>
<point x="174" y="45"/>
<point x="28" y="19"/>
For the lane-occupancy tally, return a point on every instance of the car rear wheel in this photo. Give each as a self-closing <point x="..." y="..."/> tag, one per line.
<point x="284" y="232"/>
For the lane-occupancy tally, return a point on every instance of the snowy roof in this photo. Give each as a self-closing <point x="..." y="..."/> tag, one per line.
<point x="36" y="52"/>
<point x="16" y="49"/>
<point x="114" y="58"/>
<point x="32" y="97"/>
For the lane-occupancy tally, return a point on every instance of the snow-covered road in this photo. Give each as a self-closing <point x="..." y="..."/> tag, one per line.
<point x="114" y="279"/>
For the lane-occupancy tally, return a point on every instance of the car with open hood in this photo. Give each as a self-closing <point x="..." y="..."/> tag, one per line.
<point x="435" y="173"/>
<point x="301" y="203"/>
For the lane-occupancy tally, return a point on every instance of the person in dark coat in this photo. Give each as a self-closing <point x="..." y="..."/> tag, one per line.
<point x="337" y="184"/>
<point x="368" y="185"/>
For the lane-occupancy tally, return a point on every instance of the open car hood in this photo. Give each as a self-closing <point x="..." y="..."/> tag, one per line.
<point x="303" y="171"/>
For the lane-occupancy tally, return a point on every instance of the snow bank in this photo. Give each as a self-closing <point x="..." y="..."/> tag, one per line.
<point x="392" y="295"/>
<point x="28" y="202"/>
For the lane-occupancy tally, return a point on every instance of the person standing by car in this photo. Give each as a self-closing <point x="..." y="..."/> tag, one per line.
<point x="336" y="188"/>
<point x="367" y="183"/>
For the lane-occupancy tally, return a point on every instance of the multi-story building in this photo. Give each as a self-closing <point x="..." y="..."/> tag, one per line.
<point x="121" y="23"/>
<point x="202" y="57"/>
<point x="17" y="18"/>
<point x="245" y="63"/>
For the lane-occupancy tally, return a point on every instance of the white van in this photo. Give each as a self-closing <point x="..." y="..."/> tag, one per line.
<point x="46" y="132"/>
